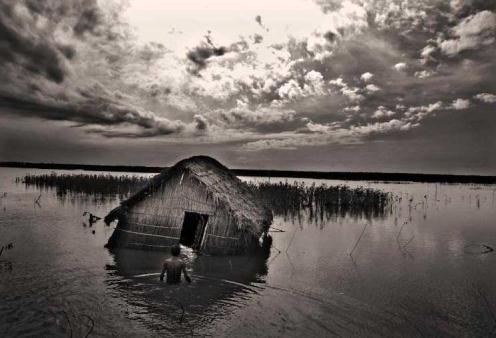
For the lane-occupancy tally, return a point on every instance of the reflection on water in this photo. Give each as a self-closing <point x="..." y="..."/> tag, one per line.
<point x="218" y="284"/>
<point x="420" y="268"/>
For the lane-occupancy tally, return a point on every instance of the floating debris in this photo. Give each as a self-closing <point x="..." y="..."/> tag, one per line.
<point x="477" y="249"/>
<point x="9" y="246"/>
<point x="92" y="218"/>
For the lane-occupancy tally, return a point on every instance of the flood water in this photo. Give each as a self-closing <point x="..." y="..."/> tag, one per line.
<point x="420" y="270"/>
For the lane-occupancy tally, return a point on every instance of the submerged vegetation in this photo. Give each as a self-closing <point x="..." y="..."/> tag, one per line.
<point x="321" y="202"/>
<point x="97" y="185"/>
<point x="296" y="200"/>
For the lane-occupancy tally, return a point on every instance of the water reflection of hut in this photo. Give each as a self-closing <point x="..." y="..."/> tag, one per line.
<point x="198" y="203"/>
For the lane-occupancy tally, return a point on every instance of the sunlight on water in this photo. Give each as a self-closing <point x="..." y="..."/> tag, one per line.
<point x="420" y="268"/>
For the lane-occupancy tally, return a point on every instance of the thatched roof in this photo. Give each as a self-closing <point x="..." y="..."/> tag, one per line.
<point x="249" y="211"/>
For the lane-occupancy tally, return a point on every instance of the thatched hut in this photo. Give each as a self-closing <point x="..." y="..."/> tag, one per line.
<point x="198" y="203"/>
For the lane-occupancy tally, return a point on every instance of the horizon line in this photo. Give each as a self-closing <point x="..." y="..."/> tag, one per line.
<point x="330" y="175"/>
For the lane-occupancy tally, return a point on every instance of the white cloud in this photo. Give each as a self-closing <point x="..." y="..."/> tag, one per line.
<point x="382" y="112"/>
<point x="423" y="74"/>
<point x="460" y="104"/>
<point x="427" y="108"/>
<point x="486" y="97"/>
<point x="348" y="20"/>
<point x="354" y="109"/>
<point x="372" y="88"/>
<point x="427" y="51"/>
<point x="318" y="127"/>
<point x="418" y="113"/>
<point x="352" y="93"/>
<point x="365" y="77"/>
<point x="472" y="32"/>
<point x="314" y="83"/>
<point x="339" y="82"/>
<point x="290" y="90"/>
<point x="242" y="116"/>
<point x="400" y="66"/>
<point x="383" y="127"/>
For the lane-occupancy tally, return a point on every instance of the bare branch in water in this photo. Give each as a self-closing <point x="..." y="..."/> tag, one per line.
<point x="359" y="238"/>
<point x="68" y="321"/>
<point x="291" y="240"/>
<point x="37" y="201"/>
<point x="92" y="325"/>
<point x="482" y="295"/>
<point x="409" y="241"/>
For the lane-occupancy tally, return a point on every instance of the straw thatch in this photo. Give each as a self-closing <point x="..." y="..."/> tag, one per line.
<point x="153" y="217"/>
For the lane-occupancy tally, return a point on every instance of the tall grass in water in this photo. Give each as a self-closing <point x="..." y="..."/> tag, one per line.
<point x="97" y="185"/>
<point x="318" y="202"/>
<point x="323" y="202"/>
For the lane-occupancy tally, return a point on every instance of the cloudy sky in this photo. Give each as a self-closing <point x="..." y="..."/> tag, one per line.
<point x="358" y="85"/>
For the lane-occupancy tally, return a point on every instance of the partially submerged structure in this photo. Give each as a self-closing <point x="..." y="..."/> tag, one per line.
<point x="198" y="203"/>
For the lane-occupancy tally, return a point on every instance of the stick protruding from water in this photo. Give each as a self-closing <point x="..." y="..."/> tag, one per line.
<point x="359" y="238"/>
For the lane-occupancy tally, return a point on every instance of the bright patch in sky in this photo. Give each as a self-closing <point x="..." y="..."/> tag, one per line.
<point x="180" y="24"/>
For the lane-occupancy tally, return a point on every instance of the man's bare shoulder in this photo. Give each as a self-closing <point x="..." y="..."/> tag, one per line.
<point x="173" y="261"/>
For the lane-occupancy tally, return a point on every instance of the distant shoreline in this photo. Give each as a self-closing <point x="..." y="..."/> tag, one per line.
<point x="347" y="176"/>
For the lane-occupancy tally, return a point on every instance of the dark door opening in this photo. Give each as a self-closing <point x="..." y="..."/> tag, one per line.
<point x="193" y="229"/>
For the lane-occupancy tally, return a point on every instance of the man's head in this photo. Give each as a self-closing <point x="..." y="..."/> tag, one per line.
<point x="175" y="250"/>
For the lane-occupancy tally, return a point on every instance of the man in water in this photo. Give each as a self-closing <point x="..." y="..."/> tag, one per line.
<point x="174" y="266"/>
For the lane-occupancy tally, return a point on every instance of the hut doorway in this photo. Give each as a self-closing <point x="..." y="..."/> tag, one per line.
<point x="193" y="229"/>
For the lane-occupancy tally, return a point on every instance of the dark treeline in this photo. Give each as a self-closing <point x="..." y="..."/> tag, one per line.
<point x="347" y="176"/>
<point x="322" y="202"/>
<point x="318" y="202"/>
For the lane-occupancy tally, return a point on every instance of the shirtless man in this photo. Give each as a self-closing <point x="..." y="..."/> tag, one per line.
<point x="174" y="266"/>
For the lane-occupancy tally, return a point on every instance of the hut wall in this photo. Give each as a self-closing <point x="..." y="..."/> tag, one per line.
<point x="156" y="221"/>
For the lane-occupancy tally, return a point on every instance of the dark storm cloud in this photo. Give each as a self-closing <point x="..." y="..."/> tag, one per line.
<point x="330" y="36"/>
<point x="36" y="69"/>
<point x="464" y="8"/>
<point x="257" y="38"/>
<point x="31" y="51"/>
<point x="201" y="123"/>
<point x="34" y="49"/>
<point x="92" y="109"/>
<point x="146" y="133"/>
<point x="258" y="20"/>
<point x="89" y="19"/>
<point x="200" y="54"/>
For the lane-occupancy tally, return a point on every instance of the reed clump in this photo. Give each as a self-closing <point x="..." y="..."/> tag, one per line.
<point x="95" y="185"/>
<point x="323" y="201"/>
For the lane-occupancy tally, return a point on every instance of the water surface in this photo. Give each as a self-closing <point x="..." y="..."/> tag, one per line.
<point x="418" y="270"/>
